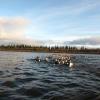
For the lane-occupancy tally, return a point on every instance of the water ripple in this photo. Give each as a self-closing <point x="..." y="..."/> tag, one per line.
<point x="23" y="79"/>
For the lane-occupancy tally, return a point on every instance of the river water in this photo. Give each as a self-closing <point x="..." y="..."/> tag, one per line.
<point x="23" y="79"/>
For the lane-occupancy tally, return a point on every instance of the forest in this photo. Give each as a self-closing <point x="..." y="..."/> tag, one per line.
<point x="52" y="49"/>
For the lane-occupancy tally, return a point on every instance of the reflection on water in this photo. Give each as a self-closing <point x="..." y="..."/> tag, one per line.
<point x="23" y="79"/>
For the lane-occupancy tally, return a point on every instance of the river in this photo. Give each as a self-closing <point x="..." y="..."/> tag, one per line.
<point x="23" y="79"/>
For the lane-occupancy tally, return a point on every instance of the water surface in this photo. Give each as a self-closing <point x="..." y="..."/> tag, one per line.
<point x="23" y="79"/>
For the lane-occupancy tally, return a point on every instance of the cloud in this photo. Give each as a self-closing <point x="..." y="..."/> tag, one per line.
<point x="66" y="9"/>
<point x="73" y="18"/>
<point x="13" y="28"/>
<point x="77" y="41"/>
<point x="93" y="41"/>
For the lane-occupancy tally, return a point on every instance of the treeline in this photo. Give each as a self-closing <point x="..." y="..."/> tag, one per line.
<point x="55" y="49"/>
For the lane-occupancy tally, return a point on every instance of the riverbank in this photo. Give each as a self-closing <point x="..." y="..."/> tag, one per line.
<point x="30" y="50"/>
<point x="55" y="49"/>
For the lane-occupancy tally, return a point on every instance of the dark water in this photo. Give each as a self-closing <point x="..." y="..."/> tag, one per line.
<point x="23" y="79"/>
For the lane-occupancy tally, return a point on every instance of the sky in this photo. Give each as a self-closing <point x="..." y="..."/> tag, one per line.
<point x="57" y="20"/>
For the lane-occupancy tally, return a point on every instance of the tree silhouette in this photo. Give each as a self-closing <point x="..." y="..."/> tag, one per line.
<point x="53" y="49"/>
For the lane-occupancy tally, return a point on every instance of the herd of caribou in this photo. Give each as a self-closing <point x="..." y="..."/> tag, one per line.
<point x="56" y="59"/>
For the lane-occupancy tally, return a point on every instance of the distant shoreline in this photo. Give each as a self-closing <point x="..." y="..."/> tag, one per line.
<point x="18" y="50"/>
<point x="45" y="49"/>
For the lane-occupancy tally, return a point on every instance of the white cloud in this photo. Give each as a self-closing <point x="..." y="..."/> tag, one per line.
<point x="71" y="9"/>
<point x="46" y="24"/>
<point x="13" y="28"/>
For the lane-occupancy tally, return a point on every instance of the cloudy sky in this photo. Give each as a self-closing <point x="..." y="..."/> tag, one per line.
<point x="59" y="20"/>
